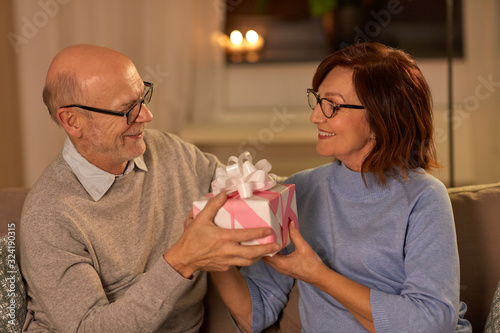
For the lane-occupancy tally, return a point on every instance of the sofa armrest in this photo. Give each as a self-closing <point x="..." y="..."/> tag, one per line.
<point x="476" y="210"/>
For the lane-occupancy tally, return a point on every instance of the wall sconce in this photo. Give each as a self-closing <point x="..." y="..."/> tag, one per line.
<point x="241" y="48"/>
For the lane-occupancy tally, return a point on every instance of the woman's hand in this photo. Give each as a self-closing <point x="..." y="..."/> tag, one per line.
<point x="302" y="264"/>
<point x="305" y="265"/>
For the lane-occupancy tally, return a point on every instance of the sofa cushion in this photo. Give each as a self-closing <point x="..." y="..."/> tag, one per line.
<point x="218" y="320"/>
<point x="476" y="211"/>
<point x="289" y="321"/>
<point x="11" y="204"/>
<point x="12" y="292"/>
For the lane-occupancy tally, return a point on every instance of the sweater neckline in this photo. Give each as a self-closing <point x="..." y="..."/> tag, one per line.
<point x="95" y="180"/>
<point x="350" y="184"/>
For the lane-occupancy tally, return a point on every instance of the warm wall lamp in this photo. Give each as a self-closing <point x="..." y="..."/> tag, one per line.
<point x="240" y="47"/>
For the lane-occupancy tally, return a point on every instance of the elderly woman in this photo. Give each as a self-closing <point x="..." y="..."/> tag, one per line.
<point x="376" y="249"/>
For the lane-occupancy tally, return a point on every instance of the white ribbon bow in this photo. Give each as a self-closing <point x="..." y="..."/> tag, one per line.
<point x="242" y="176"/>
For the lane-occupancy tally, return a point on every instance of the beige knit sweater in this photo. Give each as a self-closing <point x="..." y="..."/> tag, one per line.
<point x="98" y="266"/>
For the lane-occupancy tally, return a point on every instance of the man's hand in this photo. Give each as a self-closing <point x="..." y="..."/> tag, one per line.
<point x="204" y="246"/>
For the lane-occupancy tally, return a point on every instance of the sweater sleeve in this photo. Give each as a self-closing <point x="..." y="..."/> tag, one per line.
<point x="67" y="285"/>
<point x="269" y="293"/>
<point x="428" y="301"/>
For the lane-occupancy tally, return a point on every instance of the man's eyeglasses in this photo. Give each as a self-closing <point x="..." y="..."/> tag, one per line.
<point x="328" y="108"/>
<point x="131" y="114"/>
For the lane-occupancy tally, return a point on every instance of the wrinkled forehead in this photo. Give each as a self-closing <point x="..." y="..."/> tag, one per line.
<point x="115" y="90"/>
<point x="110" y="74"/>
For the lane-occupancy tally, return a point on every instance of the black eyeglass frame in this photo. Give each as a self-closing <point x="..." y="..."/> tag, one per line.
<point x="335" y="106"/>
<point x="144" y="100"/>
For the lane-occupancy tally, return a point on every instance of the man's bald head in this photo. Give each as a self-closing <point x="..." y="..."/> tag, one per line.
<point x="79" y="74"/>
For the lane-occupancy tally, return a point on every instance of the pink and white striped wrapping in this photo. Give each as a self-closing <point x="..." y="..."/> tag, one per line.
<point x="273" y="208"/>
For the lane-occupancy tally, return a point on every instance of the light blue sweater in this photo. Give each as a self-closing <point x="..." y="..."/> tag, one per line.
<point x="399" y="240"/>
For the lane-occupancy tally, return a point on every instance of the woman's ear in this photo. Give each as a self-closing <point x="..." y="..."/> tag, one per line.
<point x="71" y="120"/>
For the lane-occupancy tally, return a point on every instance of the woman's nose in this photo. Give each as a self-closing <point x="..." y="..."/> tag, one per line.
<point x="317" y="115"/>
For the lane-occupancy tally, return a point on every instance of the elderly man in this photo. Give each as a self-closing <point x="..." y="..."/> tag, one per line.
<point x="104" y="245"/>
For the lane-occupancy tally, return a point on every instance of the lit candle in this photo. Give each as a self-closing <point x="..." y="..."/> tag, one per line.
<point x="252" y="36"/>
<point x="235" y="43"/>
<point x="238" y="46"/>
<point x="254" y="41"/>
<point x="236" y="37"/>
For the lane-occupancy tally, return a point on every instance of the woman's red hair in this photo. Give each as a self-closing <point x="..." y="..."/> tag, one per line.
<point x="398" y="102"/>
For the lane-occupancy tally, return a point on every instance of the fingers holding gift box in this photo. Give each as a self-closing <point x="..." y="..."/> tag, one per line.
<point x="255" y="200"/>
<point x="204" y="246"/>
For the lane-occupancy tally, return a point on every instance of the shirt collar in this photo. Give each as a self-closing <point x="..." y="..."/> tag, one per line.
<point x="95" y="181"/>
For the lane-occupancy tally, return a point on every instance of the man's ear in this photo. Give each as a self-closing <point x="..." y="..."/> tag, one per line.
<point x="71" y="120"/>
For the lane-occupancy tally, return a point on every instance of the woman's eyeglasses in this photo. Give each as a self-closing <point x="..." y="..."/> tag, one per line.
<point x="328" y="108"/>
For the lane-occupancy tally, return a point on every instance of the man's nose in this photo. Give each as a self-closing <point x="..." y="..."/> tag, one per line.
<point x="145" y="116"/>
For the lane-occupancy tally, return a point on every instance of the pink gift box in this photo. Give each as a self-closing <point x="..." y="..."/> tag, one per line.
<point x="273" y="208"/>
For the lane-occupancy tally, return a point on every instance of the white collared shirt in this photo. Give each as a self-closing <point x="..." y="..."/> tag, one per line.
<point x="95" y="180"/>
